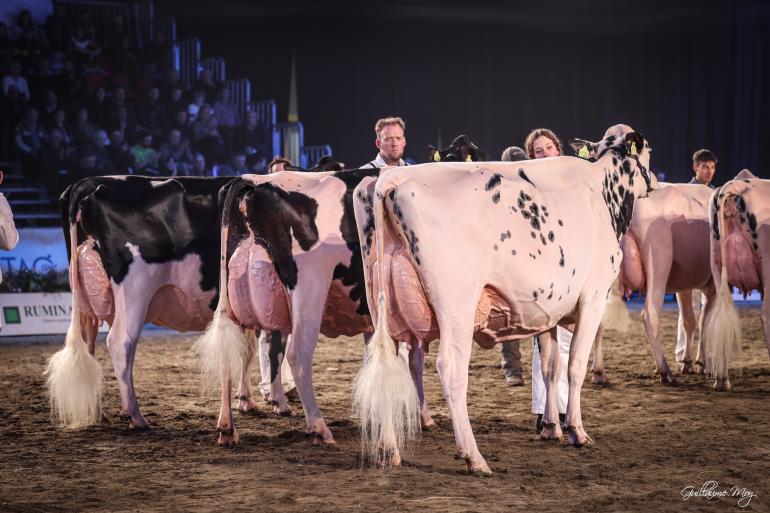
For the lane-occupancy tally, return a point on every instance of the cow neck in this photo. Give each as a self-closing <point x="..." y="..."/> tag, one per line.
<point x="618" y="174"/>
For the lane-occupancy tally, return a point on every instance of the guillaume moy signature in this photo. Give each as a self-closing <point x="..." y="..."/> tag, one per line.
<point x="710" y="490"/>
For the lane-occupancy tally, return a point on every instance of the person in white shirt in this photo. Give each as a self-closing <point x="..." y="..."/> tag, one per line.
<point x="390" y="141"/>
<point x="14" y="78"/>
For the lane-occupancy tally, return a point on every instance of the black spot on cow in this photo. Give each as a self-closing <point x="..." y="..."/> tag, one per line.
<point x="142" y="211"/>
<point x="496" y="197"/>
<point x="741" y="204"/>
<point x="513" y="252"/>
<point x="560" y="223"/>
<point x="494" y="181"/>
<point x="524" y="176"/>
<point x="542" y="239"/>
<point x="539" y="252"/>
<point x="550" y="295"/>
<point x="551" y="236"/>
<point x="534" y="294"/>
<point x="526" y="214"/>
<point x="494" y="247"/>
<point x="276" y="349"/>
<point x="752" y="222"/>
<point x="535" y="222"/>
<point x="573" y="272"/>
<point x="533" y="234"/>
<point x="561" y="256"/>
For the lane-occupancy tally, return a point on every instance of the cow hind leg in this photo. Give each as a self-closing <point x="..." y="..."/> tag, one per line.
<point x="246" y="403"/>
<point x="599" y="376"/>
<point x="122" y="342"/>
<point x="228" y="435"/>
<point x="276" y="353"/>
<point x="651" y="315"/>
<point x="417" y="369"/>
<point x="551" y="369"/>
<point x="685" y="331"/>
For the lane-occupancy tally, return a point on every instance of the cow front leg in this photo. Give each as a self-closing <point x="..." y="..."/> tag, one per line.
<point x="417" y="369"/>
<point x="228" y="435"/>
<point x="454" y="355"/>
<point x="276" y="353"/>
<point x="551" y="370"/>
<point x="651" y="316"/>
<point x="246" y="403"/>
<point x="685" y="332"/>
<point x="599" y="377"/>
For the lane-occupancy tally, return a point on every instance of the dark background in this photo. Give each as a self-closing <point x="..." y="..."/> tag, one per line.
<point x="686" y="74"/>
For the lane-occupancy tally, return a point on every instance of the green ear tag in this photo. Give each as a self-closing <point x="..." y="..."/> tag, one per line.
<point x="633" y="149"/>
<point x="468" y="159"/>
<point x="584" y="153"/>
<point x="437" y="157"/>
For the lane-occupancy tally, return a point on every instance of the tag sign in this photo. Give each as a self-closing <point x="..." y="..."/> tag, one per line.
<point x="468" y="159"/>
<point x="584" y="153"/>
<point x="437" y="157"/>
<point x="633" y="149"/>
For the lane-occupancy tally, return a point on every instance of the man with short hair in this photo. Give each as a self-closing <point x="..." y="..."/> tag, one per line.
<point x="704" y="163"/>
<point x="390" y="141"/>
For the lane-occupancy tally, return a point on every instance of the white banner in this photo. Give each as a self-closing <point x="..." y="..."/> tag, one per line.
<point x="37" y="314"/>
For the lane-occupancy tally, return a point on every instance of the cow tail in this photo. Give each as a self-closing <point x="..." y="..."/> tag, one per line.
<point x="721" y="324"/>
<point x="384" y="396"/>
<point x="73" y="375"/>
<point x="224" y="348"/>
<point x="616" y="312"/>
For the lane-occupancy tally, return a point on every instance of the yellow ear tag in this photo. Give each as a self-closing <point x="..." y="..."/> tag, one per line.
<point x="633" y="149"/>
<point x="584" y="153"/>
<point x="437" y="157"/>
<point x="468" y="159"/>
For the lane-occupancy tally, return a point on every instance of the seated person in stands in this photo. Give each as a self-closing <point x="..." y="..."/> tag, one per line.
<point x="256" y="164"/>
<point x="252" y="137"/>
<point x="199" y="166"/>
<point x="98" y="148"/>
<point x="180" y="122"/>
<point x="207" y="85"/>
<point x="145" y="156"/>
<point x="176" y="150"/>
<point x="119" y="154"/>
<point x="125" y="125"/>
<point x="59" y="122"/>
<point x="236" y="167"/>
<point x="83" y="130"/>
<point x="30" y="138"/>
<point x="54" y="161"/>
<point x="151" y="115"/>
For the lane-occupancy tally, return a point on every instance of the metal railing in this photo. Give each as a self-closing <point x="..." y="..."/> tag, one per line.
<point x="240" y="92"/>
<point x="102" y="13"/>
<point x="310" y="155"/>
<point x="189" y="57"/>
<point x="216" y="67"/>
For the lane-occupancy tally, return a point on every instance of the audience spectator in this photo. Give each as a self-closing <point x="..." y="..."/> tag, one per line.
<point x="99" y="107"/>
<point x="236" y="167"/>
<point x="145" y="156"/>
<point x="83" y="130"/>
<point x="86" y="167"/>
<point x="251" y="136"/>
<point x="56" y="30"/>
<point x="177" y="151"/>
<point x="118" y="99"/>
<point x="59" y="122"/>
<point x="14" y="79"/>
<point x="151" y="115"/>
<point x="70" y="83"/>
<point x="171" y="80"/>
<point x="83" y="48"/>
<point x="201" y="127"/>
<point x="175" y="102"/>
<point x="98" y="148"/>
<point x="48" y="106"/>
<point x="120" y="156"/>
<point x="42" y="79"/>
<point x="125" y="125"/>
<point x="212" y="145"/>
<point x="12" y="106"/>
<point x="117" y="46"/>
<point x="256" y="164"/>
<point x="199" y="166"/>
<point x="278" y="164"/>
<point x="157" y="51"/>
<point x="30" y="138"/>
<point x="53" y="162"/>
<point x="198" y="101"/>
<point x="28" y="40"/>
<point x="207" y="85"/>
<point x="180" y="123"/>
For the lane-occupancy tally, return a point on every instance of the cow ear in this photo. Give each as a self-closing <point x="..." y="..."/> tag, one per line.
<point x="583" y="149"/>
<point x="745" y="174"/>
<point x="432" y="153"/>
<point x="634" y="142"/>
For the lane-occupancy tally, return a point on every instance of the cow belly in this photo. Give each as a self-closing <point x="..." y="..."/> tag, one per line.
<point x="173" y="308"/>
<point x="257" y="297"/>
<point x="340" y="316"/>
<point x="96" y="294"/>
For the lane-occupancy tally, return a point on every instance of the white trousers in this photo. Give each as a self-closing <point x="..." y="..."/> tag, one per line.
<point x="698" y="302"/>
<point x="564" y="339"/>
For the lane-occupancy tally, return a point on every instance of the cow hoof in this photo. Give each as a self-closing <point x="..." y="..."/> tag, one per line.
<point x="320" y="441"/>
<point x="293" y="395"/>
<point x="700" y="368"/>
<point x="722" y="385"/>
<point x="388" y="458"/>
<point x="599" y="378"/>
<point x="228" y="437"/>
<point x="687" y="367"/>
<point x="427" y="422"/>
<point x="482" y="470"/>
<point x="246" y="405"/>
<point x="283" y="412"/>
<point x="666" y="378"/>
<point x="577" y="437"/>
<point x="551" y="432"/>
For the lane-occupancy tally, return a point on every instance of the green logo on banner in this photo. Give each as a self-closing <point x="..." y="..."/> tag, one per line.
<point x="11" y="315"/>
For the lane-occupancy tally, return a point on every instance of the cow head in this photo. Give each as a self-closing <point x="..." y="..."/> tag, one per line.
<point x="461" y="150"/>
<point x="624" y="157"/>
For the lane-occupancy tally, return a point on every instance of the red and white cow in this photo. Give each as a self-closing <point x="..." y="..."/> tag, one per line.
<point x="666" y="249"/>
<point x="504" y="248"/>
<point x="740" y="257"/>
<point x="291" y="263"/>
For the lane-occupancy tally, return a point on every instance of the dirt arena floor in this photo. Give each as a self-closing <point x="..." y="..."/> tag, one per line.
<point x="651" y="442"/>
